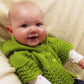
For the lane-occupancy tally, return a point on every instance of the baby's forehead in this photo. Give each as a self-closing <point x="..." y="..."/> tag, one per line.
<point x="21" y="10"/>
<point x="23" y="6"/>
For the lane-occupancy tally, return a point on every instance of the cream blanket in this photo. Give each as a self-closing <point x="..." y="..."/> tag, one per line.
<point x="64" y="19"/>
<point x="7" y="75"/>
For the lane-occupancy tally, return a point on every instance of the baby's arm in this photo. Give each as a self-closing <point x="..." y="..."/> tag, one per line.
<point x="73" y="56"/>
<point x="40" y="80"/>
<point x="27" y="69"/>
<point x="76" y="58"/>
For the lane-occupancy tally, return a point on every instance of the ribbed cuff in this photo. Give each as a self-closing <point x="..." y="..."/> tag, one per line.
<point x="28" y="72"/>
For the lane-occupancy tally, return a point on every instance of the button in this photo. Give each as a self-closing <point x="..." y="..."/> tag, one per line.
<point x="48" y="54"/>
<point x="42" y="45"/>
<point x="53" y="60"/>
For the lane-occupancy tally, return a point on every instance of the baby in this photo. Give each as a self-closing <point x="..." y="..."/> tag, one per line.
<point x="36" y="57"/>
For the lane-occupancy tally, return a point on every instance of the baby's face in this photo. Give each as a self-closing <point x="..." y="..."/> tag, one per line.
<point x="27" y="26"/>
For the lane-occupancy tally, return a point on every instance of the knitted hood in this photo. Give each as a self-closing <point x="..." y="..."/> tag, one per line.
<point x="12" y="45"/>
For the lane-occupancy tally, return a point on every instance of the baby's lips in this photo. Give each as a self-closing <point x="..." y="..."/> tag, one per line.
<point x="32" y="37"/>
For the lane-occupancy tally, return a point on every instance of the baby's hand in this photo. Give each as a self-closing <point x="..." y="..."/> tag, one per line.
<point x="81" y="63"/>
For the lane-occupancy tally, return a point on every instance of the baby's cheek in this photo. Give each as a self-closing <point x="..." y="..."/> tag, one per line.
<point x="44" y="34"/>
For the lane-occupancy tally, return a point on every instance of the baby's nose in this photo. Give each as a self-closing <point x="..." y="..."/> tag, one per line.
<point x="33" y="30"/>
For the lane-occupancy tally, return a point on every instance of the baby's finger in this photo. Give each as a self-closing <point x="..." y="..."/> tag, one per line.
<point x="82" y="66"/>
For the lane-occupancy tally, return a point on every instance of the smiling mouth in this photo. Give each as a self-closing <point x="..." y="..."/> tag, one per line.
<point x="33" y="38"/>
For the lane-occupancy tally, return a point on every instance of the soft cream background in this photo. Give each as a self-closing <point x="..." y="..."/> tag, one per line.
<point x="64" y="19"/>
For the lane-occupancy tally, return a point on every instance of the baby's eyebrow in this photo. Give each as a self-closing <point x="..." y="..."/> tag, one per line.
<point x="39" y="19"/>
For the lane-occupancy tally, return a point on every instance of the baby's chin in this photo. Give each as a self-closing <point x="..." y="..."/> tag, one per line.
<point x="29" y="44"/>
<point x="32" y="44"/>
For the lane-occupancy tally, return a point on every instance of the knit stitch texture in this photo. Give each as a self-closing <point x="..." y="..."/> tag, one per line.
<point x="45" y="58"/>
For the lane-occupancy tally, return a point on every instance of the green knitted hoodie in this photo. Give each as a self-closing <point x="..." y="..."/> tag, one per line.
<point x="45" y="58"/>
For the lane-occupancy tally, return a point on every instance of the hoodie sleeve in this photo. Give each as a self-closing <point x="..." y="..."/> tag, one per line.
<point x="61" y="48"/>
<point x="25" y="67"/>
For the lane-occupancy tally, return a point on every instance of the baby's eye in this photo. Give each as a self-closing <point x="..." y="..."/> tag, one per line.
<point x="24" y="25"/>
<point x="38" y="24"/>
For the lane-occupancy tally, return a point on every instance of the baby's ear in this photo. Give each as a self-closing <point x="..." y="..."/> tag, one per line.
<point x="9" y="30"/>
